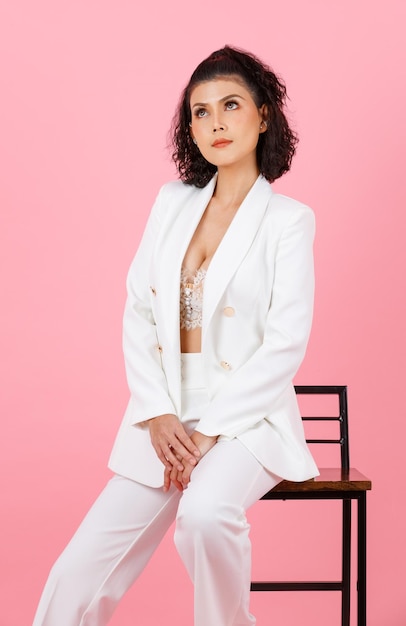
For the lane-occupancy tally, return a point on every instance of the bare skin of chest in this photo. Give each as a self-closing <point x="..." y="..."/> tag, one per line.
<point x="208" y="235"/>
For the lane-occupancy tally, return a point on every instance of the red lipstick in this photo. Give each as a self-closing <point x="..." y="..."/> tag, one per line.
<point x="221" y="143"/>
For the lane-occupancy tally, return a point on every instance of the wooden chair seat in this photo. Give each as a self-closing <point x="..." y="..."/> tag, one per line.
<point x="330" y="479"/>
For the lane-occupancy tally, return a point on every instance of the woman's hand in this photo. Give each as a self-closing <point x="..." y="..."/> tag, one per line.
<point x="181" y="477"/>
<point x="173" y="475"/>
<point x="171" y="443"/>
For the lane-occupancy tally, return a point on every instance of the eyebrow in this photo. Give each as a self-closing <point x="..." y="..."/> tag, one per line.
<point x="203" y="104"/>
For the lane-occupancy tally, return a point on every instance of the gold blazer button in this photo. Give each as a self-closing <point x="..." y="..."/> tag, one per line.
<point x="225" y="365"/>
<point x="229" y="311"/>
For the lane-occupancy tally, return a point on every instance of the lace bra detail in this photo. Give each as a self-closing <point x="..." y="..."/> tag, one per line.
<point x="191" y="298"/>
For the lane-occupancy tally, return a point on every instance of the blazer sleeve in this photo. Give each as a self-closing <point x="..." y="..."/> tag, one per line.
<point x="145" y="376"/>
<point x="252" y="391"/>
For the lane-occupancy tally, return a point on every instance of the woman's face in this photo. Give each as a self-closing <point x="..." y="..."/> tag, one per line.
<point x="226" y="122"/>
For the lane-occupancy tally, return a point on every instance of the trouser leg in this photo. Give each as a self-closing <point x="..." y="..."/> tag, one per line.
<point x="212" y="532"/>
<point x="106" y="555"/>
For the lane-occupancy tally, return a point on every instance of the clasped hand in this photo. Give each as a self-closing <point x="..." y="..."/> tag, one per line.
<point x="176" y="450"/>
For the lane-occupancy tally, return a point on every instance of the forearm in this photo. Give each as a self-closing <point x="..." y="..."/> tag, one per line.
<point x="203" y="442"/>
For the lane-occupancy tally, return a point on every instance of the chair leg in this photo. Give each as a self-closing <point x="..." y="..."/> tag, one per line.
<point x="346" y="564"/>
<point x="362" y="559"/>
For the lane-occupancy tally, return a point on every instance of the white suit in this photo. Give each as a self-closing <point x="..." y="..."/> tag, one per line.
<point x="258" y="302"/>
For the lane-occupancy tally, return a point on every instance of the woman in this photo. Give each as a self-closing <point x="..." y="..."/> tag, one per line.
<point x="218" y="314"/>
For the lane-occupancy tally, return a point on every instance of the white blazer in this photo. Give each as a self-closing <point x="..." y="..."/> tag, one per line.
<point x="257" y="311"/>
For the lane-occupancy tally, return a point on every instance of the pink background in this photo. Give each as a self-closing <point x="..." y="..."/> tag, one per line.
<point x="88" y="91"/>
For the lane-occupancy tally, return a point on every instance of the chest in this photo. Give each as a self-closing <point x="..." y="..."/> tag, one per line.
<point x="208" y="236"/>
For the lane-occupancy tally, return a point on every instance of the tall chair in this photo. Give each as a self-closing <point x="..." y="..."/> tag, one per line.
<point x="338" y="483"/>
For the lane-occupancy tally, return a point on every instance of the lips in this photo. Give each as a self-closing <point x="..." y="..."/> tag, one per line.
<point x="221" y="143"/>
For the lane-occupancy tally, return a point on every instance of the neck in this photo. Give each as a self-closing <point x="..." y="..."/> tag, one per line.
<point x="232" y="186"/>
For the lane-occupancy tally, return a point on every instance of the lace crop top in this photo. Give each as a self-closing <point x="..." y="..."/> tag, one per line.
<point x="191" y="298"/>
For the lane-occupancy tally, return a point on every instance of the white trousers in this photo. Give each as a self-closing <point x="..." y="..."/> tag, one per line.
<point x="128" y="520"/>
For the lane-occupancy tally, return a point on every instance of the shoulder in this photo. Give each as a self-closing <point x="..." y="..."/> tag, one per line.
<point x="284" y="212"/>
<point x="279" y="207"/>
<point x="169" y="196"/>
<point x="176" y="196"/>
<point x="285" y="216"/>
<point x="287" y="207"/>
<point x="176" y="189"/>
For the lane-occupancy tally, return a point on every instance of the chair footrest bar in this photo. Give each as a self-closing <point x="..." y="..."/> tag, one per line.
<point x="322" y="585"/>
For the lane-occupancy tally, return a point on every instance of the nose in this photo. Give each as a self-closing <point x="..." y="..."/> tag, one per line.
<point x="218" y="123"/>
<point x="218" y="127"/>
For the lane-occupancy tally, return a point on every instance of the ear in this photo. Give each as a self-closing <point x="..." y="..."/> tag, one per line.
<point x="263" y="114"/>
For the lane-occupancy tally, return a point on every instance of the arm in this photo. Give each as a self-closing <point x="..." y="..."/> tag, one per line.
<point x="252" y="390"/>
<point x="145" y="376"/>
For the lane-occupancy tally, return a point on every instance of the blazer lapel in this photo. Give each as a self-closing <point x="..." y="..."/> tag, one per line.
<point x="234" y="246"/>
<point x="172" y="249"/>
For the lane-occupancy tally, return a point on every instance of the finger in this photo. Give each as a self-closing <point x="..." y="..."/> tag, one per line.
<point x="184" y="477"/>
<point x="180" y="478"/>
<point x="167" y="479"/>
<point x="162" y="457"/>
<point x="166" y="455"/>
<point x="178" y="485"/>
<point x="181" y="452"/>
<point x="175" y="479"/>
<point x="187" y="443"/>
<point x="174" y="473"/>
<point x="173" y="458"/>
<point x="168" y="475"/>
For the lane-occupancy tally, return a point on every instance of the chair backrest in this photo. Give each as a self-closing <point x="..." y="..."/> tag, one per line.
<point x="342" y="418"/>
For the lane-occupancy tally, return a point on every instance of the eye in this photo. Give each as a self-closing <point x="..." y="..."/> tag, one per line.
<point x="199" y="112"/>
<point x="231" y="105"/>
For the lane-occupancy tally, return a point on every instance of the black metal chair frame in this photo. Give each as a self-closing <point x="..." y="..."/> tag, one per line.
<point x="348" y="485"/>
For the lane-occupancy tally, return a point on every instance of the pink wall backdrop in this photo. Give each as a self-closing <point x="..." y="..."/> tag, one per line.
<point x="88" y="89"/>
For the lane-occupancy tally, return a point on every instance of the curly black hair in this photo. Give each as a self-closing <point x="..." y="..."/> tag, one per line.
<point x="276" y="146"/>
